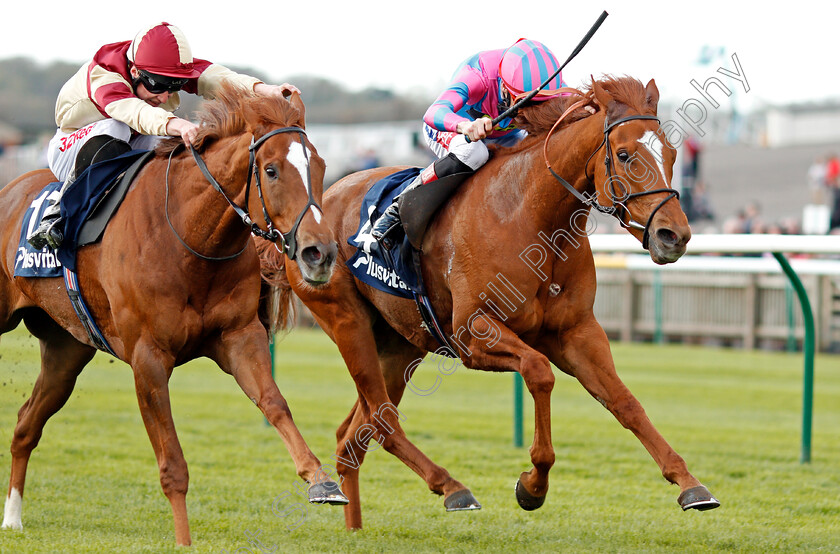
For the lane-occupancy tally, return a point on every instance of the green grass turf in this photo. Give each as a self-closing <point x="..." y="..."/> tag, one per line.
<point x="734" y="416"/>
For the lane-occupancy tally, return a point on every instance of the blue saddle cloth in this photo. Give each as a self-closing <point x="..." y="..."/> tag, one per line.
<point x="37" y="263"/>
<point x="80" y="200"/>
<point x="389" y="271"/>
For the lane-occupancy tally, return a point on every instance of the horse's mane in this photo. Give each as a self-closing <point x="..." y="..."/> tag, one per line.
<point x="229" y="114"/>
<point x="277" y="309"/>
<point x="538" y="118"/>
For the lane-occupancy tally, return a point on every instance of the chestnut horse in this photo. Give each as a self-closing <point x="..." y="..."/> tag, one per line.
<point x="175" y="277"/>
<point x="510" y="274"/>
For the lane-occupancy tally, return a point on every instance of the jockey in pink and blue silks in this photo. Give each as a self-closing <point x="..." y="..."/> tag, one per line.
<point x="484" y="86"/>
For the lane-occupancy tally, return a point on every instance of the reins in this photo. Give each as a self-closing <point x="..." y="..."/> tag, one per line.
<point x="619" y="209"/>
<point x="288" y="241"/>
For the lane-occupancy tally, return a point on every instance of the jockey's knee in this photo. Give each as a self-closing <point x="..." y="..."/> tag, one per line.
<point x="113" y="128"/>
<point x="99" y="148"/>
<point x="450" y="165"/>
<point x="145" y="142"/>
<point x="472" y="154"/>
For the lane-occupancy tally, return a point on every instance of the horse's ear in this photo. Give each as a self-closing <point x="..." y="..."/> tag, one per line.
<point x="294" y="98"/>
<point x="601" y="96"/>
<point x="652" y="95"/>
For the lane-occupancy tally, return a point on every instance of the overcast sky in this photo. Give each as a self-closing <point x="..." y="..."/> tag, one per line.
<point x="787" y="55"/>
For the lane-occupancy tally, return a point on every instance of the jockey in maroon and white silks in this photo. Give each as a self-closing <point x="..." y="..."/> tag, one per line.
<point x="106" y="88"/>
<point x="124" y="98"/>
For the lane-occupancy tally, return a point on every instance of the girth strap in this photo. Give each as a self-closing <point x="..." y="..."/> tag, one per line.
<point x="71" y="282"/>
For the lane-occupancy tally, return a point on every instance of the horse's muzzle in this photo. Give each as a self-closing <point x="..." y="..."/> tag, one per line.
<point x="667" y="245"/>
<point x="316" y="262"/>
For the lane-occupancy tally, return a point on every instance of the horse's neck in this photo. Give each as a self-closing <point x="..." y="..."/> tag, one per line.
<point x="551" y="206"/>
<point x="203" y="209"/>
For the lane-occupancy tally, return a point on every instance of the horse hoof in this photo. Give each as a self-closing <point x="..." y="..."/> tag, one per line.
<point x="461" y="500"/>
<point x="327" y="492"/>
<point x="526" y="500"/>
<point x="698" y="498"/>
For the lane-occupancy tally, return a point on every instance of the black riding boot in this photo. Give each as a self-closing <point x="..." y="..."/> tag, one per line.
<point x="48" y="232"/>
<point x="384" y="229"/>
<point x="387" y="223"/>
<point x="390" y="221"/>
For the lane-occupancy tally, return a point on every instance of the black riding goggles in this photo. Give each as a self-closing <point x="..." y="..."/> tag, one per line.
<point x="158" y="84"/>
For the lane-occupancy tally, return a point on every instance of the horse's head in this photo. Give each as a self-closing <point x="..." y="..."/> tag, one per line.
<point x="639" y="164"/>
<point x="289" y="177"/>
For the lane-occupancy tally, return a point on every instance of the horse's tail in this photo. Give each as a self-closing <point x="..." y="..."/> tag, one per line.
<point x="277" y="308"/>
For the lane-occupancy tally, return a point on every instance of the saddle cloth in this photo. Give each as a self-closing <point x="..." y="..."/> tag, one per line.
<point x="389" y="271"/>
<point x="87" y="205"/>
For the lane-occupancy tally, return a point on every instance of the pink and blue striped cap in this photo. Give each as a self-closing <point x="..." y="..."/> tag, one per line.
<point x="525" y="66"/>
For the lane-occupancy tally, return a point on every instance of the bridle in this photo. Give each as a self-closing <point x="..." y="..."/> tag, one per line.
<point x="288" y="241"/>
<point x="619" y="208"/>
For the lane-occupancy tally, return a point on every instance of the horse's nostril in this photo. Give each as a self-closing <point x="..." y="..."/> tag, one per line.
<point x="667" y="237"/>
<point x="311" y="255"/>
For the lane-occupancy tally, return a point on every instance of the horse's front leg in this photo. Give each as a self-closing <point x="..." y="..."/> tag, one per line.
<point x="245" y="355"/>
<point x="492" y="346"/>
<point x="584" y="352"/>
<point x="152" y="369"/>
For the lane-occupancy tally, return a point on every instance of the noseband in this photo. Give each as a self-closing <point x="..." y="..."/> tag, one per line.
<point x="619" y="208"/>
<point x="288" y="241"/>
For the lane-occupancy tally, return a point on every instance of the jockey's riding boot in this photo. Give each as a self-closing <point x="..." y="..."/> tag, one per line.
<point x="386" y="224"/>
<point x="49" y="231"/>
<point x="384" y="229"/>
<point x="389" y="221"/>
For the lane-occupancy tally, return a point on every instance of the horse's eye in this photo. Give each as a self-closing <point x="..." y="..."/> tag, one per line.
<point x="623" y="156"/>
<point x="270" y="172"/>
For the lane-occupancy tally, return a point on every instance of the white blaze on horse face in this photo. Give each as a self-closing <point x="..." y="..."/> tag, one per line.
<point x="300" y="159"/>
<point x="12" y="511"/>
<point x="315" y="213"/>
<point x="652" y="143"/>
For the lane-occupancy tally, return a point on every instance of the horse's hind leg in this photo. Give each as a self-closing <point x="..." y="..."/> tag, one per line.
<point x="393" y="352"/>
<point x="349" y="460"/>
<point x="62" y="359"/>
<point x="586" y="355"/>
<point x="395" y="356"/>
<point x="375" y="416"/>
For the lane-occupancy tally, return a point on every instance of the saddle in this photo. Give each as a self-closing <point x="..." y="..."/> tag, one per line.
<point x="93" y="198"/>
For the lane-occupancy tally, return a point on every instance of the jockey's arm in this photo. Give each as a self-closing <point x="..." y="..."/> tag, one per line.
<point x="282" y="91"/>
<point x="187" y="130"/>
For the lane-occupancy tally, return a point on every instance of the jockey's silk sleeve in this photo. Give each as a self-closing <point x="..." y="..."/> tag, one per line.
<point x="214" y="75"/>
<point x="472" y="93"/>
